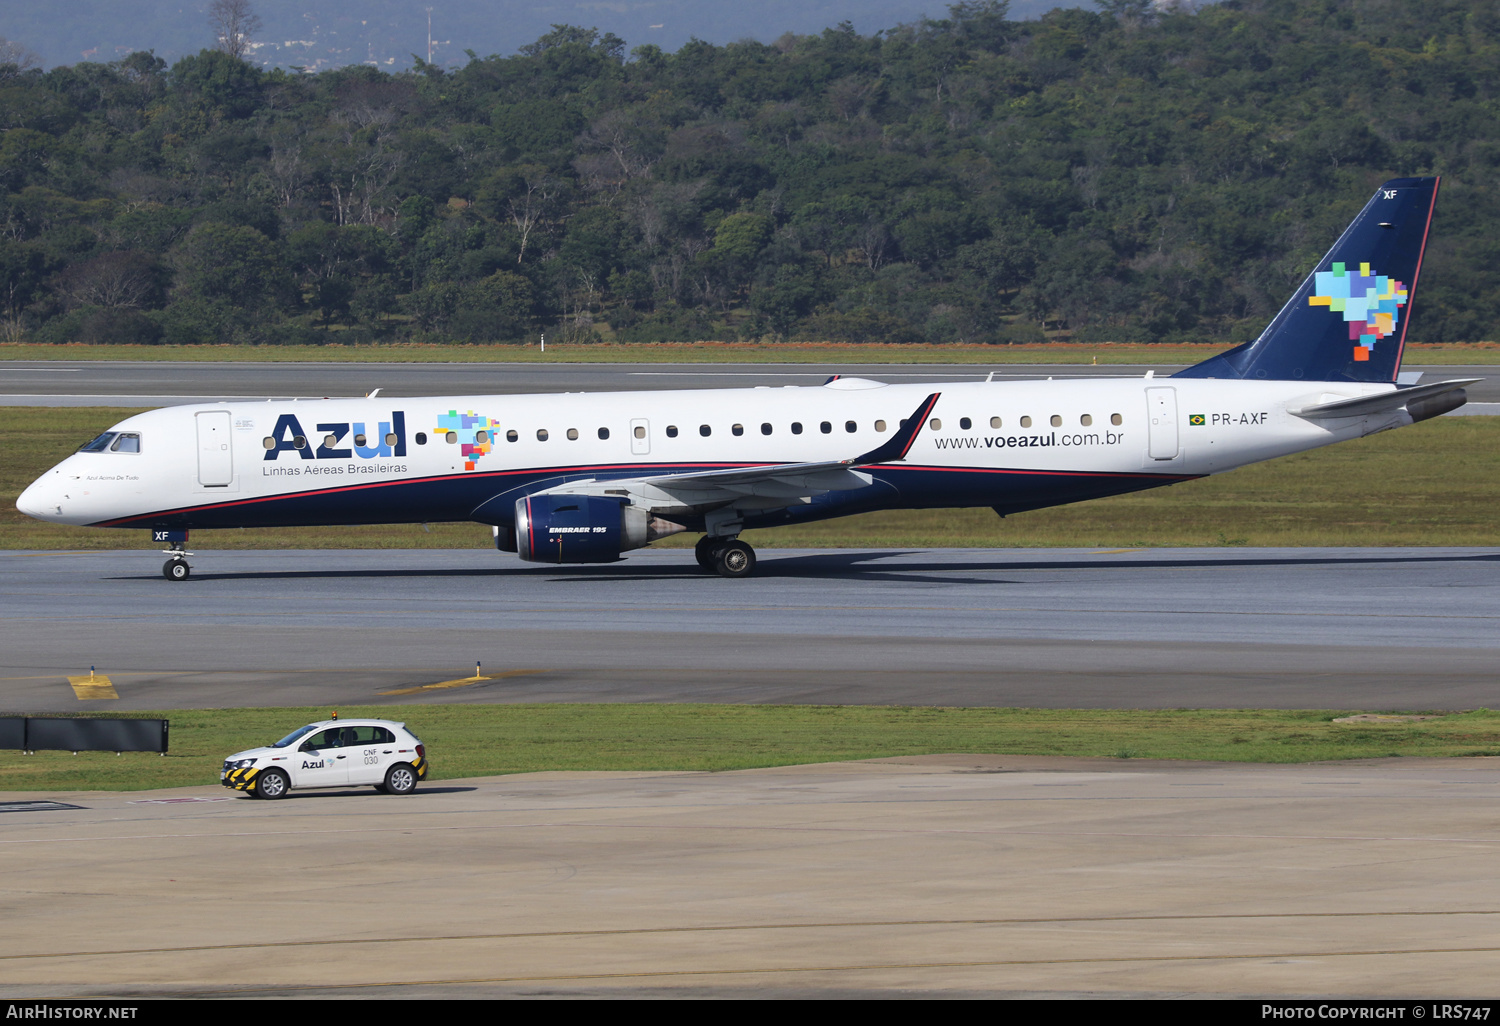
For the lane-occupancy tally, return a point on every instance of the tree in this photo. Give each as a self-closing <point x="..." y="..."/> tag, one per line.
<point x="13" y="53"/>
<point x="234" y="22"/>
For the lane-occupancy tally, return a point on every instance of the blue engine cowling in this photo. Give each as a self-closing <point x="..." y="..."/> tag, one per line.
<point x="569" y="529"/>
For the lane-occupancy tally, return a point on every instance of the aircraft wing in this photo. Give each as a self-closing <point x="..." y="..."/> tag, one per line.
<point x="775" y="484"/>
<point x="1385" y="402"/>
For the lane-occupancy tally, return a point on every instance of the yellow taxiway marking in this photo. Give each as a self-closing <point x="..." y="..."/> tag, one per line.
<point x="462" y="682"/>
<point x="93" y="687"/>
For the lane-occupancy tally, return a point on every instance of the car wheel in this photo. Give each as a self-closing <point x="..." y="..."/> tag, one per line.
<point x="273" y="783"/>
<point x="400" y="779"/>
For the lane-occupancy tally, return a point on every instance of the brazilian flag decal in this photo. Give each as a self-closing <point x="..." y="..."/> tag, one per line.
<point x="1195" y="419"/>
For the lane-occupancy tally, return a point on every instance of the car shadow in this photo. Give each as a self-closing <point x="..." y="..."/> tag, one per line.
<point x="367" y="791"/>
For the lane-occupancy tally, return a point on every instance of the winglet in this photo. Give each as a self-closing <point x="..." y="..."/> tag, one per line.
<point x="900" y="443"/>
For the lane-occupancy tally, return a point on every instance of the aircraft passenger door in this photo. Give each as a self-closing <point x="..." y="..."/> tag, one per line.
<point x="1161" y="419"/>
<point x="215" y="457"/>
<point x="640" y="437"/>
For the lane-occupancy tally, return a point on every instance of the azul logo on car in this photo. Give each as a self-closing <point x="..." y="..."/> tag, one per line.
<point x="340" y="440"/>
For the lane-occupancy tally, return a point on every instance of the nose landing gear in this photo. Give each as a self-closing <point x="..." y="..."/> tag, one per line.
<point x="176" y="568"/>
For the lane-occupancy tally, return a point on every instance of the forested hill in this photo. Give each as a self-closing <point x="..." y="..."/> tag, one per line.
<point x="1130" y="175"/>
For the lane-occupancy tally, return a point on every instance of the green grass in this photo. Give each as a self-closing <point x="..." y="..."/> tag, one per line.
<point x="484" y="740"/>
<point x="699" y="352"/>
<point x="1437" y="483"/>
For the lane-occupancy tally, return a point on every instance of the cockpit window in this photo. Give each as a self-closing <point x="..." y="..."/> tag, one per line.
<point x="128" y="441"/>
<point x="99" y="444"/>
<point x="294" y="735"/>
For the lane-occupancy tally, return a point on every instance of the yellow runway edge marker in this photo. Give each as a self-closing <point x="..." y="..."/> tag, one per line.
<point x="462" y="682"/>
<point x="94" y="687"/>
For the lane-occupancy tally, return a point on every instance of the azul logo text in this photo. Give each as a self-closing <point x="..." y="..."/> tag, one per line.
<point x="339" y="440"/>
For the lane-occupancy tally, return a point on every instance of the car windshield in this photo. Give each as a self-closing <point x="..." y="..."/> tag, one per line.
<point x="291" y="738"/>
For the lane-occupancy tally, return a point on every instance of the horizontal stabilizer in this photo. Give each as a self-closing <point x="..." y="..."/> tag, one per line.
<point x="1385" y="402"/>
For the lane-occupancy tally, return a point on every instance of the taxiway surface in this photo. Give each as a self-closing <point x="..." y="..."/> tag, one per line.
<point x="978" y="875"/>
<point x="1358" y="629"/>
<point x="130" y="383"/>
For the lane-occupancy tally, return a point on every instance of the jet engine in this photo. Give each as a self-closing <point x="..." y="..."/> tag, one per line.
<point x="583" y="528"/>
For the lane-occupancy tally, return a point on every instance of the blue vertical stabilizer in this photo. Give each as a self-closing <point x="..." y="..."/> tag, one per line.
<point x="1348" y="320"/>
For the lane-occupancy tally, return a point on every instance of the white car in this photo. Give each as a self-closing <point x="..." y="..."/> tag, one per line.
<point x="331" y="753"/>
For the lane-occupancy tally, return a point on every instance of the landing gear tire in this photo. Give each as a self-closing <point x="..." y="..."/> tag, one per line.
<point x="735" y="559"/>
<point x="400" y="779"/>
<point x="271" y="784"/>
<point x="176" y="569"/>
<point x="706" y="551"/>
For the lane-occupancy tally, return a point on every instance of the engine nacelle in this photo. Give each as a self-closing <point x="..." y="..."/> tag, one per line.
<point x="583" y="528"/>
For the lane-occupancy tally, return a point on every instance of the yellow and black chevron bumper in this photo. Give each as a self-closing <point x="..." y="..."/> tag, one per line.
<point x="240" y="779"/>
<point x="420" y="765"/>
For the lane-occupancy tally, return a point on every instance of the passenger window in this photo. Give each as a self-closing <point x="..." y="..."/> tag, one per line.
<point x="268" y="442"/>
<point x="390" y="438"/>
<point x="300" y="442"/>
<point x="640" y="432"/>
<point x="480" y="437"/>
<point x="1086" y="420"/>
<point x="796" y="427"/>
<point x="127" y="443"/>
<point x="452" y="438"/>
<point x="705" y="430"/>
<point x="765" y="429"/>
<point x="421" y="438"/>
<point x="671" y="430"/>
<point x="850" y="426"/>
<point x="358" y="440"/>
<point x="825" y="427"/>
<point x="965" y="423"/>
<point x="737" y="430"/>
<point x="541" y="434"/>
<point x="330" y="440"/>
<point x="603" y="433"/>
<point x="935" y="424"/>
<point x="1026" y="422"/>
<point x="1056" y="420"/>
<point x="880" y="425"/>
<point x="572" y="434"/>
<point x="994" y="422"/>
<point x="1115" y="419"/>
<point x="512" y="435"/>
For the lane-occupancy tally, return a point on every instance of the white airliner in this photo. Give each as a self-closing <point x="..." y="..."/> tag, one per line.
<point x="581" y="478"/>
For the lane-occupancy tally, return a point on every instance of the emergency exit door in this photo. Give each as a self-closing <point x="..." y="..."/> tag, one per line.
<point x="215" y="457"/>
<point x="1161" y="423"/>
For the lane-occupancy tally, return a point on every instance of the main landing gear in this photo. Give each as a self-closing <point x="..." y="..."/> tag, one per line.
<point x="728" y="557"/>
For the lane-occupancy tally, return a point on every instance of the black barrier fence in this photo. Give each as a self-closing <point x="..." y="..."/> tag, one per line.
<point x="55" y="733"/>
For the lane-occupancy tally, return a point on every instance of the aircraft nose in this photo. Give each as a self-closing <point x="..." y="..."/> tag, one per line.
<point x="37" y="500"/>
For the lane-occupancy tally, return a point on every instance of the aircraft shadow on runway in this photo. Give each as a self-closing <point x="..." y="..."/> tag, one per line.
<point x="837" y="565"/>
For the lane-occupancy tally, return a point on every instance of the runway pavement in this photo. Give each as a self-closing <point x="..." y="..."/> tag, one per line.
<point x="986" y="876"/>
<point x="130" y="383"/>
<point x="1359" y="629"/>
